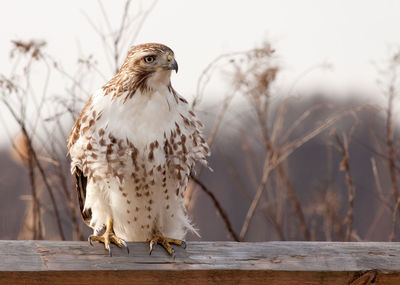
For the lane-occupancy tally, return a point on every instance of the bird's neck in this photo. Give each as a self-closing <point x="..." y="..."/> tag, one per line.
<point x="129" y="83"/>
<point x="159" y="80"/>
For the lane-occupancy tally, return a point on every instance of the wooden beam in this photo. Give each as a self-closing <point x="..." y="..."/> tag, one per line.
<point x="54" y="262"/>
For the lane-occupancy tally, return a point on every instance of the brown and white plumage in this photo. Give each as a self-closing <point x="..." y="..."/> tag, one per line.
<point x="132" y="149"/>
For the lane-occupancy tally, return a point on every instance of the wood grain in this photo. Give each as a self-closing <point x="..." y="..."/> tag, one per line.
<point x="55" y="262"/>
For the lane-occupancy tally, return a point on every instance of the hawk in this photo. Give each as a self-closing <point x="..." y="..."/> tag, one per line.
<point x="132" y="149"/>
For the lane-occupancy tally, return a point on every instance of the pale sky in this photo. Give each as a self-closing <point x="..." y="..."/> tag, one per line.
<point x="349" y="34"/>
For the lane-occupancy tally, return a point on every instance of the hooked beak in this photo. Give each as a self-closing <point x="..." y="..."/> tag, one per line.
<point x="173" y="65"/>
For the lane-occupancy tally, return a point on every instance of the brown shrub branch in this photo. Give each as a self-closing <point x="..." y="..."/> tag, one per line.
<point x="218" y="206"/>
<point x="343" y="147"/>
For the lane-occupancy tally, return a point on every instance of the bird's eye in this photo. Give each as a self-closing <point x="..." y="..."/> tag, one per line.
<point x="149" y="59"/>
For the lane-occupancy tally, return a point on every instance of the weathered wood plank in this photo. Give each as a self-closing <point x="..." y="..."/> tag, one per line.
<point x="49" y="262"/>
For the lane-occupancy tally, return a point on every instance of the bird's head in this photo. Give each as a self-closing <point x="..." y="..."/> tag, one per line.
<point x="150" y="65"/>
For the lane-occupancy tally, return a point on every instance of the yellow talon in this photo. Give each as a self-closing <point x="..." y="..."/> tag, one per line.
<point x="109" y="237"/>
<point x="158" y="238"/>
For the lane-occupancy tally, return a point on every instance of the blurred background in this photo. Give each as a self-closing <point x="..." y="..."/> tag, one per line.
<point x="299" y="100"/>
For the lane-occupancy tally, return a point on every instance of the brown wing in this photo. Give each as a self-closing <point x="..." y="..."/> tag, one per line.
<point x="80" y="185"/>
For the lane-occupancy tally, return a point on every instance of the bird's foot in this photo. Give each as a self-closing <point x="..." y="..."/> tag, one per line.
<point x="107" y="238"/>
<point x="158" y="238"/>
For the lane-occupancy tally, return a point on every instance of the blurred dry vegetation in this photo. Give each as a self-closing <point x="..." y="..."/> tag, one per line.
<point x="285" y="168"/>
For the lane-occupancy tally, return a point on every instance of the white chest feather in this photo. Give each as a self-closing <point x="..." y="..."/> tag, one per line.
<point x="137" y="155"/>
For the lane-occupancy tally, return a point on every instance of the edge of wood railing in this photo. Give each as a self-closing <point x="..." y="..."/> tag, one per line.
<point x="70" y="262"/>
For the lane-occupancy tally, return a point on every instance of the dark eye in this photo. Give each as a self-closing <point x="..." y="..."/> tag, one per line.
<point x="149" y="59"/>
